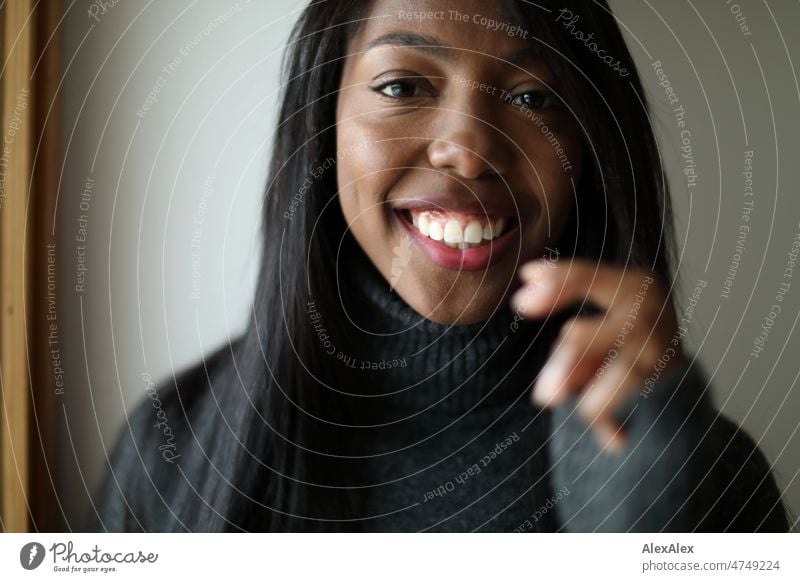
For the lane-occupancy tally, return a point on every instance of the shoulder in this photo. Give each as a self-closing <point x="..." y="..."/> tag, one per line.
<point x="746" y="495"/>
<point x="158" y="452"/>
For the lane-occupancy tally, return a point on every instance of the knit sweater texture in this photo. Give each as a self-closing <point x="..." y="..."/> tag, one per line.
<point x="457" y="446"/>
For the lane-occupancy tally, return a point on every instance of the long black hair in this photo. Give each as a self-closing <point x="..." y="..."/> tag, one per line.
<point x="277" y="450"/>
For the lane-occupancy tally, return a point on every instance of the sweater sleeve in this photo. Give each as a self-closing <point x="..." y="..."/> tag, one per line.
<point x="684" y="467"/>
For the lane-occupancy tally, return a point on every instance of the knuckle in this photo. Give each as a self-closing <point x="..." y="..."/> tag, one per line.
<point x="589" y="409"/>
<point x="579" y="274"/>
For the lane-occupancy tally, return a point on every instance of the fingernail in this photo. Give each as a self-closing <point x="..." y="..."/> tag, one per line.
<point x="528" y="270"/>
<point x="538" y="397"/>
<point x="516" y="301"/>
<point x="531" y="294"/>
<point x="550" y="378"/>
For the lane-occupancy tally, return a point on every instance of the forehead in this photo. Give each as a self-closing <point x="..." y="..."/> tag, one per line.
<point x="457" y="29"/>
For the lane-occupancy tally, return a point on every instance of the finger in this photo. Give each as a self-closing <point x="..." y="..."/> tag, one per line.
<point x="602" y="400"/>
<point x="583" y="346"/>
<point x="549" y="287"/>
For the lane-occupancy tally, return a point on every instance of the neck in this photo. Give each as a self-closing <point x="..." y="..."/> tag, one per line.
<point x="413" y="364"/>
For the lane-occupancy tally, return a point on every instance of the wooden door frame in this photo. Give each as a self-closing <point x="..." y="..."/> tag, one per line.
<point x="31" y="150"/>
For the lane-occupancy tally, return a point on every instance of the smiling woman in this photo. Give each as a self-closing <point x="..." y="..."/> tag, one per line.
<point x="423" y="166"/>
<point x="462" y="171"/>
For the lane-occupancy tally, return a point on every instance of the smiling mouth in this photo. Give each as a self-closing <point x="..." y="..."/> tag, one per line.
<point x="458" y="230"/>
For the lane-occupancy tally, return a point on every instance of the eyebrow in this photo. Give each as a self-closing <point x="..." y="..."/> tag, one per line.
<point x="434" y="47"/>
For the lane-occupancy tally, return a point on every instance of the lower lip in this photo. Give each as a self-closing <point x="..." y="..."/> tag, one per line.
<point x="470" y="259"/>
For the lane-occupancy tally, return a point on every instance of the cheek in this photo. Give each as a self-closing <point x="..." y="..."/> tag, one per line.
<point x="369" y="145"/>
<point x="370" y="163"/>
<point x="362" y="184"/>
<point x="555" y="164"/>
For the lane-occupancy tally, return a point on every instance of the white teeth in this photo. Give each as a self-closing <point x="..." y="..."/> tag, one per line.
<point x="424" y="226"/>
<point x="474" y="232"/>
<point x="452" y="232"/>
<point x="436" y="232"/>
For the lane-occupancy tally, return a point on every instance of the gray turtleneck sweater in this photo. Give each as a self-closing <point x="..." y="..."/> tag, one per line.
<point x="463" y="448"/>
<point x="458" y="446"/>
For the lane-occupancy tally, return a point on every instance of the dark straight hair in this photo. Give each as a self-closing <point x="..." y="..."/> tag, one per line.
<point x="282" y="438"/>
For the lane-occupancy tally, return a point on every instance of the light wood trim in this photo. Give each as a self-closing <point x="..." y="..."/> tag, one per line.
<point x="18" y="38"/>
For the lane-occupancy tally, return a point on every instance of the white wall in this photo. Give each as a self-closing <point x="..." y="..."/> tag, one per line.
<point x="175" y="201"/>
<point x="740" y="93"/>
<point x="197" y="158"/>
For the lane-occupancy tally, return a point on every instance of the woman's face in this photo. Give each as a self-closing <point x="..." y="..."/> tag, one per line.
<point x="455" y="160"/>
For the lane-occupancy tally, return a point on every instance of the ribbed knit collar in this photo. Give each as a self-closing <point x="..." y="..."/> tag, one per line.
<point x="421" y="365"/>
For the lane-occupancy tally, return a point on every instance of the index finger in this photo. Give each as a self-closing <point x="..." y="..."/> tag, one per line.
<point x="555" y="286"/>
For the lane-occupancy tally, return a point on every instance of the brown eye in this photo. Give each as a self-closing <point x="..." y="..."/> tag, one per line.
<point x="399" y="89"/>
<point x="534" y="100"/>
<point x="405" y="88"/>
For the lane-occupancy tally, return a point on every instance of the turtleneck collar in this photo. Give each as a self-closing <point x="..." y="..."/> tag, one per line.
<point x="421" y="365"/>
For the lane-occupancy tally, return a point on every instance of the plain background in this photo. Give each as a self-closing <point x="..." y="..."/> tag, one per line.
<point x="172" y="221"/>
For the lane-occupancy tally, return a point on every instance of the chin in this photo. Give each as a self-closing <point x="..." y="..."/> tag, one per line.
<point x="459" y="300"/>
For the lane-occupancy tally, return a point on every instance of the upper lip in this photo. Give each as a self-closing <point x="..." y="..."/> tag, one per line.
<point x="468" y="204"/>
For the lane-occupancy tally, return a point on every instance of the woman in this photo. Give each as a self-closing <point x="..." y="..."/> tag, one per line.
<point x="464" y="197"/>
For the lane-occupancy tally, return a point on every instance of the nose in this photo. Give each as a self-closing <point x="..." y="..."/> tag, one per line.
<point x="469" y="146"/>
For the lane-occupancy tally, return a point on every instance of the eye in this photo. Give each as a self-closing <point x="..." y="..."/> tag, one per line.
<point x="402" y="88"/>
<point x="534" y="100"/>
